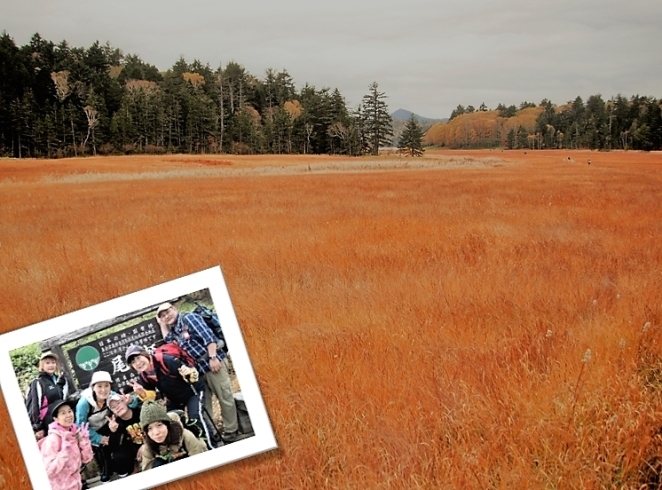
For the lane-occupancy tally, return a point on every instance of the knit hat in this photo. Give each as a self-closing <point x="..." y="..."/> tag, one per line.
<point x="135" y="350"/>
<point x="152" y="412"/>
<point x="100" y="376"/>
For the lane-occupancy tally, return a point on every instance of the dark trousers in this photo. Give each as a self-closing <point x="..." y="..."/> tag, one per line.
<point x="103" y="458"/>
<point x="124" y="459"/>
<point x="195" y="406"/>
<point x="115" y="458"/>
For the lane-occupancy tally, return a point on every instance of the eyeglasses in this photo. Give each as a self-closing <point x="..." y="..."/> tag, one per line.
<point x="164" y="311"/>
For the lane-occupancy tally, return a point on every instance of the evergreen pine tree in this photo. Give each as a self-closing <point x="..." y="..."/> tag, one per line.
<point x="411" y="140"/>
<point x="378" y="125"/>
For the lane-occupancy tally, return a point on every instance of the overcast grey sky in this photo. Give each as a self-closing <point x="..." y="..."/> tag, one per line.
<point x="427" y="56"/>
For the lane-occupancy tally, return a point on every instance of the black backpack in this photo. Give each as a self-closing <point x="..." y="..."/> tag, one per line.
<point x="211" y="319"/>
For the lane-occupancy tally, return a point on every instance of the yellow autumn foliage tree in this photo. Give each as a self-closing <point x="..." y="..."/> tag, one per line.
<point x="480" y="129"/>
<point x="194" y="79"/>
<point x="144" y="85"/>
<point x="115" y="70"/>
<point x="293" y="108"/>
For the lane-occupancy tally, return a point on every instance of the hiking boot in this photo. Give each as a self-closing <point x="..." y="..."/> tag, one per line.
<point x="229" y="437"/>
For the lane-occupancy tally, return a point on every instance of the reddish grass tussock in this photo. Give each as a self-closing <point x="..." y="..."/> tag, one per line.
<point x="409" y="328"/>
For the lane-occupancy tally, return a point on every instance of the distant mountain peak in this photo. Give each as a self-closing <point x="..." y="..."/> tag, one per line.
<point x="400" y="118"/>
<point x="404" y="114"/>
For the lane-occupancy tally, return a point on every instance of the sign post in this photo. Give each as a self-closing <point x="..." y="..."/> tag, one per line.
<point x="107" y="353"/>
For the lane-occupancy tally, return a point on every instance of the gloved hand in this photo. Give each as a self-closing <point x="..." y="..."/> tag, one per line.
<point x="190" y="374"/>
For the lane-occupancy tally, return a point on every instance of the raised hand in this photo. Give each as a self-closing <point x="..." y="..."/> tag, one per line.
<point x="112" y="423"/>
<point x="83" y="431"/>
<point x="138" y="389"/>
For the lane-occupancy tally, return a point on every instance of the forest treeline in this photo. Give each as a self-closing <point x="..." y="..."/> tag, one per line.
<point x="62" y="101"/>
<point x="618" y="123"/>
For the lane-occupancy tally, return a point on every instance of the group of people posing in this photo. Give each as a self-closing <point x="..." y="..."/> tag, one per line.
<point x="131" y="429"/>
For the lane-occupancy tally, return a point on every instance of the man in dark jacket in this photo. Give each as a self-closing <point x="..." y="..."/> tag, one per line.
<point x="179" y="384"/>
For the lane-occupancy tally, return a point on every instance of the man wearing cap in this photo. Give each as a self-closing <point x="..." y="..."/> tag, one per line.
<point x="126" y="437"/>
<point x="44" y="390"/>
<point x="193" y="335"/>
<point x="92" y="408"/>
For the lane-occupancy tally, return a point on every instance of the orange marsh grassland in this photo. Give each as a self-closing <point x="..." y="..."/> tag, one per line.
<point x="465" y="320"/>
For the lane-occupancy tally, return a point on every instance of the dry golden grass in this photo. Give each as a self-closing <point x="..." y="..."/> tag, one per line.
<point x="409" y="327"/>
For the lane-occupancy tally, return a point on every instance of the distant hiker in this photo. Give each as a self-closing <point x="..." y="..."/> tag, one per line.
<point x="45" y="389"/>
<point x="192" y="334"/>
<point x="166" y="439"/>
<point x="178" y="383"/>
<point x="66" y="448"/>
<point x="93" y="408"/>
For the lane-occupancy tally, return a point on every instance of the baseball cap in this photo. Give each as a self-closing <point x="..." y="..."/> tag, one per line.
<point x="163" y="307"/>
<point x="47" y="354"/>
<point x="115" y="397"/>
<point x="135" y="350"/>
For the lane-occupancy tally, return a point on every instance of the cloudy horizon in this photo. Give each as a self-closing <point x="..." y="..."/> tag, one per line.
<point x="427" y="57"/>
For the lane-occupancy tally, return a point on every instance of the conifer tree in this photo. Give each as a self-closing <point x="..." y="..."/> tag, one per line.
<point x="378" y="125"/>
<point x="411" y="140"/>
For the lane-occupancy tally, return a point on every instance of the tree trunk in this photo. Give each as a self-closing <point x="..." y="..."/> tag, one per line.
<point x="73" y="135"/>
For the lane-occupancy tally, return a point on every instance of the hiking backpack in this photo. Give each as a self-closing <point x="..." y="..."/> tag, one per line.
<point x="211" y="319"/>
<point x="172" y="349"/>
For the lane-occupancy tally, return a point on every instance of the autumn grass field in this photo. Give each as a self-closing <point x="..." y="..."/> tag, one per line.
<point x="475" y="320"/>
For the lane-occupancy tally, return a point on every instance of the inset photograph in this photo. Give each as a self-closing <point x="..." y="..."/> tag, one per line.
<point x="125" y="399"/>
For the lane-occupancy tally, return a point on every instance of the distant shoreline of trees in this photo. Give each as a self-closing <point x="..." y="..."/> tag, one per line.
<point x="618" y="123"/>
<point x="61" y="101"/>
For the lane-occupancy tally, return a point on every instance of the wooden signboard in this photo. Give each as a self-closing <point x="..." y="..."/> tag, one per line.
<point x="107" y="353"/>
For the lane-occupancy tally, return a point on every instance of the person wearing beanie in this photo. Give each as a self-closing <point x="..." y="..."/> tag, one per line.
<point x="65" y="448"/>
<point x="92" y="408"/>
<point x="45" y="389"/>
<point x="166" y="439"/>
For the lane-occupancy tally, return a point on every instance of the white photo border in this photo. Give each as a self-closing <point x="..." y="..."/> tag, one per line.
<point x="212" y="279"/>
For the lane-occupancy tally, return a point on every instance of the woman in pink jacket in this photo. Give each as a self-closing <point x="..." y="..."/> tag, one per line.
<point x="66" y="448"/>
